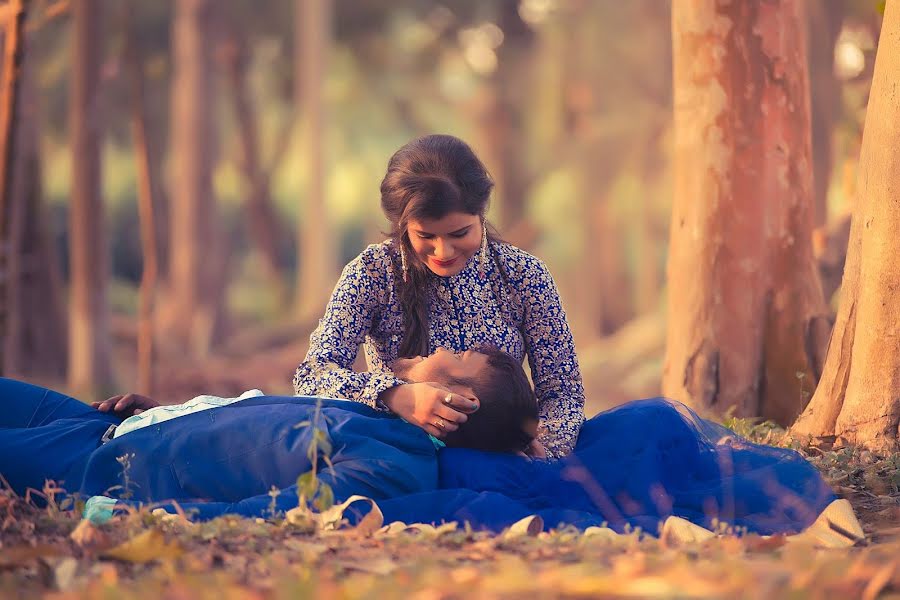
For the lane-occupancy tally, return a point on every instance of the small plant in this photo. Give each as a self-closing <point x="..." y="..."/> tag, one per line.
<point x="310" y="489"/>
<point x="125" y="461"/>
<point x="274" y="492"/>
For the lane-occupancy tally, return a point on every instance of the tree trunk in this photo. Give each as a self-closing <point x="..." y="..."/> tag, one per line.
<point x="262" y="218"/>
<point x="505" y="122"/>
<point x="824" y="26"/>
<point x="89" y="342"/>
<point x="858" y="398"/>
<point x="13" y="53"/>
<point x="37" y="342"/>
<point x="317" y="247"/>
<point x="193" y="314"/>
<point x="747" y="325"/>
<point x="146" y="175"/>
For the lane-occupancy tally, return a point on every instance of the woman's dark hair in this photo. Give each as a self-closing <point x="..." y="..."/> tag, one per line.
<point x="507" y="416"/>
<point x="428" y="178"/>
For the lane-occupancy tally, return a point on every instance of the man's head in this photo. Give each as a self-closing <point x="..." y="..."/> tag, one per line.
<point x="507" y="416"/>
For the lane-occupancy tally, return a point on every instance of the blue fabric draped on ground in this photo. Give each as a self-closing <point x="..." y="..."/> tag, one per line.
<point x="633" y="465"/>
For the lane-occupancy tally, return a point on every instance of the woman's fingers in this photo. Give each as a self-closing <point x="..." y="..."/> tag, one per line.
<point x="443" y="424"/>
<point x="536" y="449"/>
<point x="449" y="415"/>
<point x="434" y="430"/>
<point x="460" y="403"/>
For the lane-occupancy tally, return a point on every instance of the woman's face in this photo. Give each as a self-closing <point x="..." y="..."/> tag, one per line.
<point x="445" y="245"/>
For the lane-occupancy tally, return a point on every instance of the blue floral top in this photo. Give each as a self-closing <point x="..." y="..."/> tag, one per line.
<point x="522" y="316"/>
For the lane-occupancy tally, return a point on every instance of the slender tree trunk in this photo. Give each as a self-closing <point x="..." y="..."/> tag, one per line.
<point x="37" y="337"/>
<point x="193" y="314"/>
<point x="89" y="342"/>
<point x="505" y="123"/>
<point x="145" y="176"/>
<point x="858" y="398"/>
<point x="747" y="325"/>
<point x="317" y="247"/>
<point x="824" y="26"/>
<point x="261" y="215"/>
<point x="13" y="54"/>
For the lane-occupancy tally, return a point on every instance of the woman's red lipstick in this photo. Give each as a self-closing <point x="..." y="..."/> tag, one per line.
<point x="443" y="263"/>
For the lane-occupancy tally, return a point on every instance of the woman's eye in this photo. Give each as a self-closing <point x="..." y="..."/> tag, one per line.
<point x="425" y="236"/>
<point x="459" y="235"/>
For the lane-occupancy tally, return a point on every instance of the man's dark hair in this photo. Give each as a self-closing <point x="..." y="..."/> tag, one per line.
<point x="507" y="415"/>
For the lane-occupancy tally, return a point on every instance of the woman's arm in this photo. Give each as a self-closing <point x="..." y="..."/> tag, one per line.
<point x="554" y="365"/>
<point x="356" y="300"/>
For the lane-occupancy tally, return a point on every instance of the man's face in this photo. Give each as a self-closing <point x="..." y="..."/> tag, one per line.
<point x="441" y="366"/>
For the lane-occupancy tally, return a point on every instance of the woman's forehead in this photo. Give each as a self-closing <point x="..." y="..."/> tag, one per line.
<point x="446" y="224"/>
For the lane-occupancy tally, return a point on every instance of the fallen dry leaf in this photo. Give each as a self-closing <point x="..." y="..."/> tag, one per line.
<point x="64" y="573"/>
<point x="147" y="546"/>
<point x="88" y="537"/>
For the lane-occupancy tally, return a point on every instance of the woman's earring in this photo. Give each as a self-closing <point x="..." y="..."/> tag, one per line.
<point x="404" y="267"/>
<point x="484" y="249"/>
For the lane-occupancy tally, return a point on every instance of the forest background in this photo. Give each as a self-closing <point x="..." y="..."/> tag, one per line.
<point x="256" y="135"/>
<point x="180" y="183"/>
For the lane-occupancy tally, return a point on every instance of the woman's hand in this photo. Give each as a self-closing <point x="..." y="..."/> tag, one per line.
<point x="126" y="405"/>
<point x="429" y="405"/>
<point x="535" y="449"/>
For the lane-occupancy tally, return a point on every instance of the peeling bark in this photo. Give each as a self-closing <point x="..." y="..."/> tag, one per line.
<point x="858" y="398"/>
<point x="745" y="303"/>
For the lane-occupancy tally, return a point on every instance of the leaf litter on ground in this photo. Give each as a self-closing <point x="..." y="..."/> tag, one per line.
<point x="147" y="555"/>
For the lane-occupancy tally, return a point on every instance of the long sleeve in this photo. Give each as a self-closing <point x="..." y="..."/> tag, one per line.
<point x="351" y="311"/>
<point x="554" y="365"/>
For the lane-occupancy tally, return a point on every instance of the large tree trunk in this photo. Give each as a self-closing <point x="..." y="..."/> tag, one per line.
<point x="317" y="248"/>
<point x="747" y="325"/>
<point x="192" y="318"/>
<point x="89" y="342"/>
<point x="858" y="398"/>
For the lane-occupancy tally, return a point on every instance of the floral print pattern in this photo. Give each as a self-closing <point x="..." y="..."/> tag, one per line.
<point x="521" y="315"/>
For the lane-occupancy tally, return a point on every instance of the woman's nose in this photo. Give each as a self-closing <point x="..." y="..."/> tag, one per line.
<point x="442" y="250"/>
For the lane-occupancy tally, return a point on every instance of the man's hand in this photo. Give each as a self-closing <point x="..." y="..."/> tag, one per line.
<point x="126" y="405"/>
<point x="429" y="405"/>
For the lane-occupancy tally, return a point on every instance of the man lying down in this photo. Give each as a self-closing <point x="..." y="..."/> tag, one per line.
<point x="224" y="455"/>
<point x="634" y="465"/>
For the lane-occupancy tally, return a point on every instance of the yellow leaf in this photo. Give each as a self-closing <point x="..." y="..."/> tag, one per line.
<point x="145" y="547"/>
<point x="333" y="517"/>
<point x="530" y="526"/>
